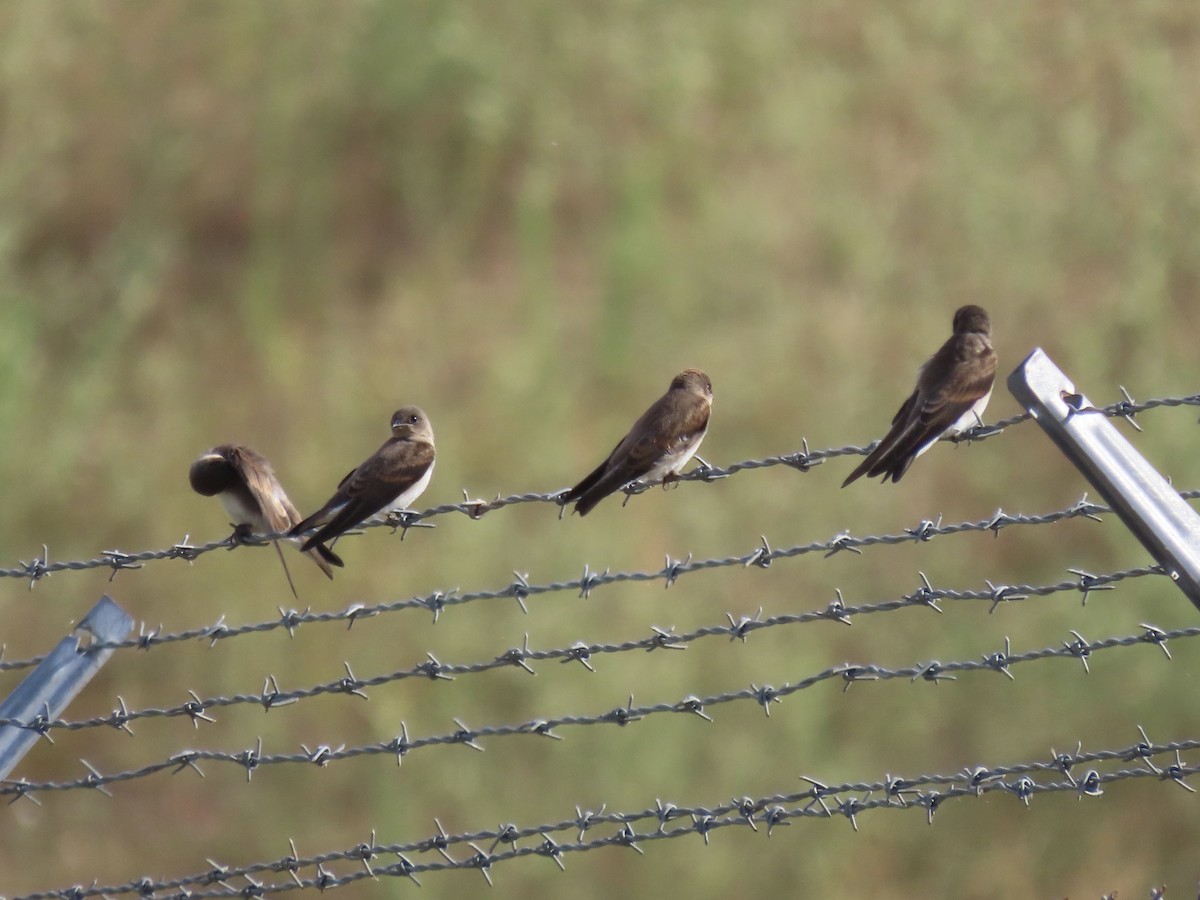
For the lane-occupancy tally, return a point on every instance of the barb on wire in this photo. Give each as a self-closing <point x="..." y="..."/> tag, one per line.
<point x="521" y="589"/>
<point x="432" y="669"/>
<point x="764" y="695"/>
<point x="588" y="830"/>
<point x="802" y="460"/>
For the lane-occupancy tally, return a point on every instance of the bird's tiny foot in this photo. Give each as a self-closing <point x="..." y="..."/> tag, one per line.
<point x="404" y="519"/>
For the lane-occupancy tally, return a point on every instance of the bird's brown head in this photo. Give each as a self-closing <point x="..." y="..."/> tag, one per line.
<point x="412" y="423"/>
<point x="972" y="319"/>
<point x="693" y="380"/>
<point x="212" y="472"/>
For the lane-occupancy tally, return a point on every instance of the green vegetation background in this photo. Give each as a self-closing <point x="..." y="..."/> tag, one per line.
<point x="275" y="223"/>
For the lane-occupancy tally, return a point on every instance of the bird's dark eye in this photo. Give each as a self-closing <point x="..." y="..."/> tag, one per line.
<point x="412" y="419"/>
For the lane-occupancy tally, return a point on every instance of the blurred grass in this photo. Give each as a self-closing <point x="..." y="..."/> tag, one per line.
<point x="277" y="223"/>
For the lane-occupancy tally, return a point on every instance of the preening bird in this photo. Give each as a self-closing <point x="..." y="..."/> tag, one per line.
<point x="253" y="498"/>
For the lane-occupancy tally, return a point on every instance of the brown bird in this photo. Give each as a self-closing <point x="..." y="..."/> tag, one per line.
<point x="953" y="389"/>
<point x="253" y="498"/>
<point x="658" y="445"/>
<point x="393" y="477"/>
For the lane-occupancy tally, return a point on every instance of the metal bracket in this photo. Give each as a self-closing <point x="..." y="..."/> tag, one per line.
<point x="1166" y="524"/>
<point x="46" y="691"/>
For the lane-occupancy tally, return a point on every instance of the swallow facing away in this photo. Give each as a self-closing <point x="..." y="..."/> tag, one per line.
<point x="253" y="498"/>
<point x="658" y="445"/>
<point x="390" y="480"/>
<point x="953" y="389"/>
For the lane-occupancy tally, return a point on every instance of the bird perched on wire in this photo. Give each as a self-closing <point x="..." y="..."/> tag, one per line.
<point x="388" y="481"/>
<point x="657" y="446"/>
<point x="953" y="389"/>
<point x="253" y="498"/>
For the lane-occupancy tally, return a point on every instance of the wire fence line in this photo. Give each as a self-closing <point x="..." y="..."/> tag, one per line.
<point x="934" y="671"/>
<point x="802" y="460"/>
<point x="927" y="596"/>
<point x="520" y="589"/>
<point x="486" y="849"/>
<point x="598" y="829"/>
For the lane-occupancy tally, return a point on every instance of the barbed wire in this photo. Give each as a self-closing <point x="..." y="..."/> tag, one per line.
<point x="520" y="589"/>
<point x="802" y="460"/>
<point x="590" y="830"/>
<point x="432" y="669"/>
<point x="848" y="801"/>
<point x="934" y="671"/>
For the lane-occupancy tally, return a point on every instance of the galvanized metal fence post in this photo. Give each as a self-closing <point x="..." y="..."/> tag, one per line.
<point x="1145" y="501"/>
<point x="47" y="690"/>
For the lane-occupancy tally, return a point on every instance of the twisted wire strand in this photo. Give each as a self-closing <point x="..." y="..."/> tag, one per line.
<point x="596" y="829"/>
<point x="1000" y="662"/>
<point x="802" y="460"/>
<point x="272" y="697"/>
<point x="521" y="589"/>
